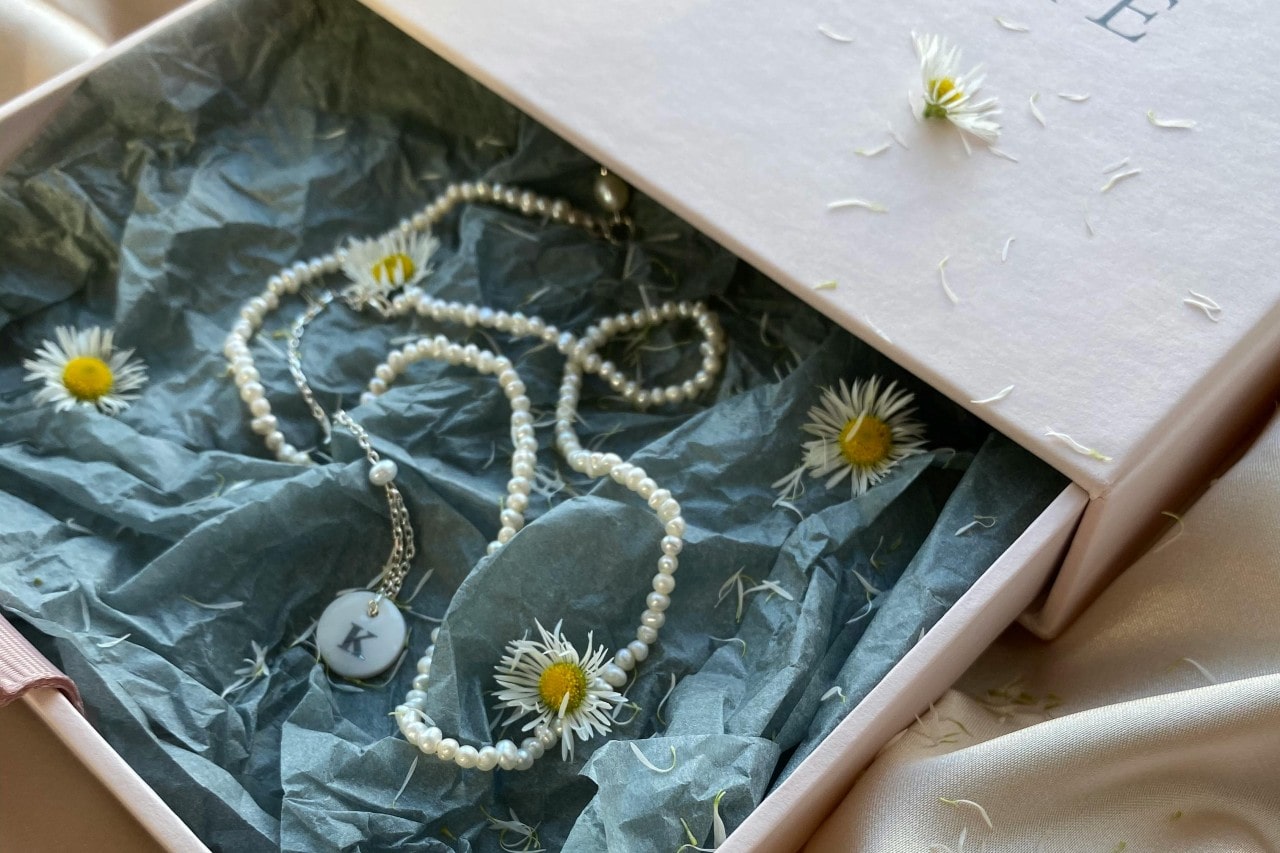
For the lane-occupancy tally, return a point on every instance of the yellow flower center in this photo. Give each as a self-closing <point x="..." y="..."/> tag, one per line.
<point x="940" y="91"/>
<point x="384" y="271"/>
<point x="867" y="441"/>
<point x="87" y="378"/>
<point x="561" y="679"/>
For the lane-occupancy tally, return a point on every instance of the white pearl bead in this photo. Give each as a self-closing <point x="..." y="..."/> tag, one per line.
<point x="657" y="498"/>
<point x="645" y="634"/>
<point x="264" y="425"/>
<point x="653" y="619"/>
<point x="424" y="667"/>
<point x="383" y="472"/>
<point x="518" y="503"/>
<point x="523" y="759"/>
<point x="620" y="472"/>
<point x="657" y="602"/>
<point x="505" y="535"/>
<point x="531" y="746"/>
<point x="639" y="650"/>
<point x="511" y="518"/>
<point x="414" y="732"/>
<point x="431" y="740"/>
<point x="251" y="391"/>
<point x="421" y="681"/>
<point x="546" y="736"/>
<point x="260" y="407"/>
<point x="274" y="441"/>
<point x="447" y="749"/>
<point x="614" y="675"/>
<point x="672" y="545"/>
<point x="634" y="477"/>
<point x="675" y="526"/>
<point x="415" y="696"/>
<point x="384" y="372"/>
<point x="625" y="660"/>
<point x="506" y="754"/>
<point x="465" y="757"/>
<point x="669" y="510"/>
<point x="664" y="583"/>
<point x="519" y="486"/>
<point x="668" y="565"/>
<point x="486" y="758"/>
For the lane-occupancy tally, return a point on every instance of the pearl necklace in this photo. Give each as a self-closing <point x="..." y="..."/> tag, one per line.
<point x="362" y="609"/>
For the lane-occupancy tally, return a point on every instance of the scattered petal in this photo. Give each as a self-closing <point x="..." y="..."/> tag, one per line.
<point x="1170" y="123"/>
<point x="946" y="286"/>
<point x="1077" y="446"/>
<point x="954" y="803"/>
<point x="996" y="397"/>
<point x="649" y="764"/>
<point x="1118" y="177"/>
<point x="1004" y="253"/>
<point x="1012" y="26"/>
<point x="834" y="36"/>
<point x="1035" y="110"/>
<point x="872" y="152"/>
<point x="1077" y="99"/>
<point x="1116" y="166"/>
<point x="221" y="605"/>
<point x="874" y="207"/>
<point x="825" y="285"/>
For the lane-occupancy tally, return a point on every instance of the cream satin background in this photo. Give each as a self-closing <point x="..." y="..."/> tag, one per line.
<point x="1152" y="724"/>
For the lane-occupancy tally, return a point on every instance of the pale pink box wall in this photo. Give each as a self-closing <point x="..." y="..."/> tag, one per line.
<point x="663" y="64"/>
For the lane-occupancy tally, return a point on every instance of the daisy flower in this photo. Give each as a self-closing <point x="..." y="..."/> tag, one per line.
<point x="860" y="432"/>
<point x="549" y="679"/>
<point x="381" y="265"/>
<point x="83" y="368"/>
<point x="951" y="95"/>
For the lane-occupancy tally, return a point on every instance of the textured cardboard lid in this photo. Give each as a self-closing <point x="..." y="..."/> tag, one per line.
<point x="744" y="119"/>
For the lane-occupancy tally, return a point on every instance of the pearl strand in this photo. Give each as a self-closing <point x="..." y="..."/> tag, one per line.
<point x="289" y="280"/>
<point x="525" y="457"/>
<point x="410" y="715"/>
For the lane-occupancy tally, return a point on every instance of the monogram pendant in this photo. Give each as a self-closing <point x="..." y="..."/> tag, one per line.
<point x="355" y="644"/>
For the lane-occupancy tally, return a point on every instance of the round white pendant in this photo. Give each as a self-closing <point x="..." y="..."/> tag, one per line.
<point x="355" y="644"/>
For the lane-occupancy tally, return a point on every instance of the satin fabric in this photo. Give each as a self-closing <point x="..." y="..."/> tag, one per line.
<point x="1152" y="724"/>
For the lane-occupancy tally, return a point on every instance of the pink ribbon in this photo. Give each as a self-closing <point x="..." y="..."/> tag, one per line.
<point x="22" y="668"/>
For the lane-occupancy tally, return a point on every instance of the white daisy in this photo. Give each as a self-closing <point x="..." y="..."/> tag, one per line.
<point x="379" y="266"/>
<point x="83" y="369"/>
<point x="952" y="95"/>
<point x="861" y="432"/>
<point x="550" y="679"/>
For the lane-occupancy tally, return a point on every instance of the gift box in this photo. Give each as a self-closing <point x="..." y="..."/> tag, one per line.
<point x="699" y="110"/>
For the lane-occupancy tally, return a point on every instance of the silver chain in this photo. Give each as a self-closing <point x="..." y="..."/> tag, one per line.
<point x="403" y="548"/>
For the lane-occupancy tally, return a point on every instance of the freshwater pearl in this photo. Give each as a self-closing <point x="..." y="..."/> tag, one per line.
<point x="383" y="472"/>
<point x="447" y="749"/>
<point x="614" y="675"/>
<point x="639" y="650"/>
<point x="486" y="758"/>
<point x="465" y="757"/>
